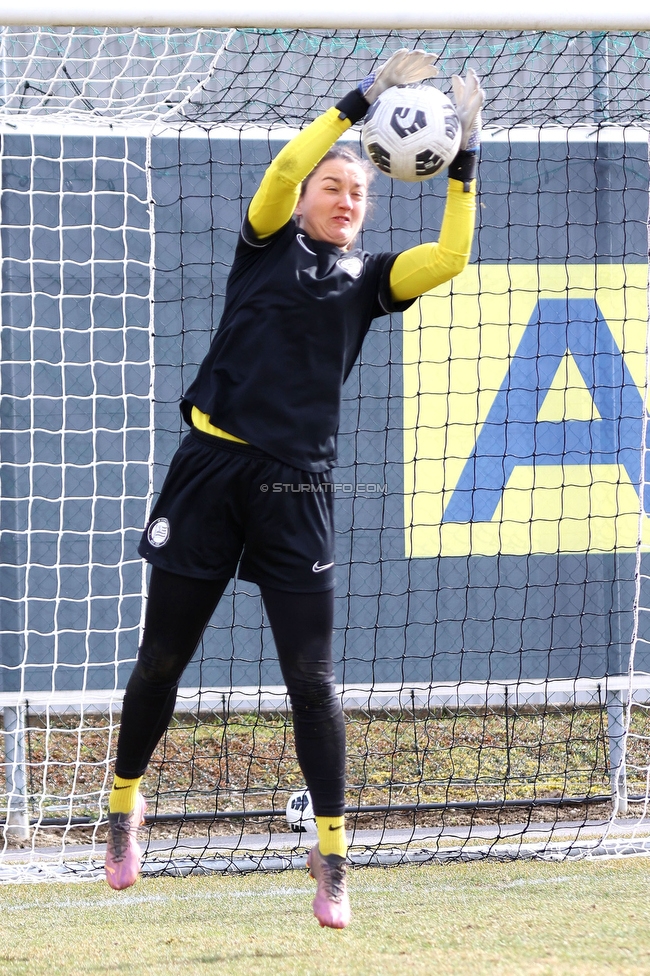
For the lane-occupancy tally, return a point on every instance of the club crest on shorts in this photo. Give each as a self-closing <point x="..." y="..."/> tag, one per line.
<point x="352" y="266"/>
<point x="158" y="532"/>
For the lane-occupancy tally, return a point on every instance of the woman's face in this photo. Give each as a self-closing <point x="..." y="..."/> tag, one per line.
<point x="333" y="204"/>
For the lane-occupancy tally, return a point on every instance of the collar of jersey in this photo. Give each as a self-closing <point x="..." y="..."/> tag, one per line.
<point x="323" y="246"/>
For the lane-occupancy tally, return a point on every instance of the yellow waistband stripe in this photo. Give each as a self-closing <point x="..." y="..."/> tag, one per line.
<point x="202" y="422"/>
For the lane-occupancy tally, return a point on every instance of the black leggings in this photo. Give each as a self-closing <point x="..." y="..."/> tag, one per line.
<point x="178" y="611"/>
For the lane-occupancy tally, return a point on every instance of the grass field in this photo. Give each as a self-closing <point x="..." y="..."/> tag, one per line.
<point x="522" y="918"/>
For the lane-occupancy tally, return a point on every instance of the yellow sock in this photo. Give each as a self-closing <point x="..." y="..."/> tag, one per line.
<point x="123" y="794"/>
<point x="331" y="835"/>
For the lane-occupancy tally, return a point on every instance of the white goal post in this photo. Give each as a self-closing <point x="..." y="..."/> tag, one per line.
<point x="337" y="14"/>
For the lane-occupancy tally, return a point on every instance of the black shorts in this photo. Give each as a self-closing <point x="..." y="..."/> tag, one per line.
<point x="225" y="505"/>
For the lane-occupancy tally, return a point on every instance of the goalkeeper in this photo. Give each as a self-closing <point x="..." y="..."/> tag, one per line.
<point x="264" y="413"/>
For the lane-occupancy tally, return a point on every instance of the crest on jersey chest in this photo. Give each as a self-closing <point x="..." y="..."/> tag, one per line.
<point x="351" y="265"/>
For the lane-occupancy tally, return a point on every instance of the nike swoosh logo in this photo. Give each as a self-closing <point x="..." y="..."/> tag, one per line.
<point x="301" y="241"/>
<point x="335" y="828"/>
<point x="122" y="787"/>
<point x="317" y="568"/>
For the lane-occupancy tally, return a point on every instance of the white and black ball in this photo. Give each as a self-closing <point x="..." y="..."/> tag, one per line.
<point x="300" y="813"/>
<point x="411" y="132"/>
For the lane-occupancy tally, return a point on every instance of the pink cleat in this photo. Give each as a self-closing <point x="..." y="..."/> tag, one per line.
<point x="123" y="855"/>
<point x="331" y="904"/>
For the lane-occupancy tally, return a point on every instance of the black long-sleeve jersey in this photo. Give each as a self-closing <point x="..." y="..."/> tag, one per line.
<point x="295" y="316"/>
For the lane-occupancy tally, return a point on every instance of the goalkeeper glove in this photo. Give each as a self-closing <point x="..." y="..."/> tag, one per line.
<point x="469" y="98"/>
<point x="404" y="67"/>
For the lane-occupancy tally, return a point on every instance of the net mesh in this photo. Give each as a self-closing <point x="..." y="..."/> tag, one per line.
<point x="102" y="72"/>
<point x="282" y="76"/>
<point x="490" y="635"/>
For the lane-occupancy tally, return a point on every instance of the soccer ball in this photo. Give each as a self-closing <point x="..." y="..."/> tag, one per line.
<point x="411" y="132"/>
<point x="300" y="813"/>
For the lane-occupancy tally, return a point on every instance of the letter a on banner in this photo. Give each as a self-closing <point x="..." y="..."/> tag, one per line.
<point x="524" y="396"/>
<point x="514" y="435"/>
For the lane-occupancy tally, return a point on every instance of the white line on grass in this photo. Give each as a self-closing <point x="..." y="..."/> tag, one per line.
<point x="121" y="900"/>
<point x="525" y="882"/>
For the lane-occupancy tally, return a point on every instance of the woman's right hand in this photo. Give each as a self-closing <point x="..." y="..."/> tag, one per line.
<point x="404" y="67"/>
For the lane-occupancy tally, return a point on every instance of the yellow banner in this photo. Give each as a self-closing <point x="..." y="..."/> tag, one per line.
<point x="524" y="393"/>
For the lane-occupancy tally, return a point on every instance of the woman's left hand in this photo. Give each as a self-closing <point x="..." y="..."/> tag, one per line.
<point x="469" y="98"/>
